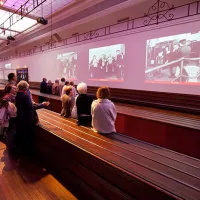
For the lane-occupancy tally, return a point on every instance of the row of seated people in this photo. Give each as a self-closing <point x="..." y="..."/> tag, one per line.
<point x="100" y="113"/>
<point x="18" y="117"/>
<point x="55" y="88"/>
<point x="79" y="105"/>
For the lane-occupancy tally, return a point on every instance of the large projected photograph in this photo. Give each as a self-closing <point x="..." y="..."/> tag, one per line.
<point x="107" y="63"/>
<point x="68" y="65"/>
<point x="8" y="66"/>
<point x="174" y="59"/>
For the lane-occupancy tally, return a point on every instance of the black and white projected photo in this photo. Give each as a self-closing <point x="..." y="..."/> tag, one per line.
<point x="68" y="65"/>
<point x="107" y="63"/>
<point x="173" y="59"/>
<point x="8" y="66"/>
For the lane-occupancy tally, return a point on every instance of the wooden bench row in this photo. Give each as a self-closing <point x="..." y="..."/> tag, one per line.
<point x="162" y="100"/>
<point x="175" y="118"/>
<point x="116" y="166"/>
<point x="173" y="130"/>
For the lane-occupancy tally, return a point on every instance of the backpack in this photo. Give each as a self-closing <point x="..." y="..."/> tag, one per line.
<point x="7" y="111"/>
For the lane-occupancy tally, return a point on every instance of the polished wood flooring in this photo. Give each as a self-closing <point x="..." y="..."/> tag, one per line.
<point x="26" y="179"/>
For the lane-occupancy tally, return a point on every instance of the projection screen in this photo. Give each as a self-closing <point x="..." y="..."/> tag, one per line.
<point x="163" y="59"/>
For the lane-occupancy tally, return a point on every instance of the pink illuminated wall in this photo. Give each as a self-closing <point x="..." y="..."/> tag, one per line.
<point x="133" y="46"/>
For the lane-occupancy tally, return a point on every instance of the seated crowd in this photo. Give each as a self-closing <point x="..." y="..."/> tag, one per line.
<point x="18" y="116"/>
<point x="101" y="113"/>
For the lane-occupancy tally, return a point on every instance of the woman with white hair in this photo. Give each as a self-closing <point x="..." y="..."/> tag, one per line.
<point x="26" y="116"/>
<point x="83" y="104"/>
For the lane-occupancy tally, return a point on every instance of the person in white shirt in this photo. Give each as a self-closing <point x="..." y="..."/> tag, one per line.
<point x="103" y="112"/>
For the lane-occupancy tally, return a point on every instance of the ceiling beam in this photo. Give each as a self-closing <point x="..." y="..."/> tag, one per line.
<point x="13" y="11"/>
<point x="7" y="29"/>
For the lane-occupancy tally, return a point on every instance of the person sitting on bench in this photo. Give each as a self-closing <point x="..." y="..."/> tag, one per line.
<point x="67" y="102"/>
<point x="103" y="112"/>
<point x="83" y="104"/>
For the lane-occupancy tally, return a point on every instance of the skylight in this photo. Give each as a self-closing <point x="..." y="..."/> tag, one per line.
<point x="16" y="28"/>
<point x="44" y="8"/>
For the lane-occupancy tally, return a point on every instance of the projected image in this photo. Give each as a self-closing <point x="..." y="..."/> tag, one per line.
<point x="8" y="66"/>
<point x="174" y="59"/>
<point x="107" y="63"/>
<point x="68" y="65"/>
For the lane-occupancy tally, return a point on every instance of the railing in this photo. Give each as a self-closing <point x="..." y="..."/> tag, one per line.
<point x="158" y="13"/>
<point x="162" y="66"/>
<point x="192" y="74"/>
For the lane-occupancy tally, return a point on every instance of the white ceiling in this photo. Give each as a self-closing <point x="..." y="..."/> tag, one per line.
<point x="45" y="8"/>
<point x="10" y="6"/>
<point x="16" y="28"/>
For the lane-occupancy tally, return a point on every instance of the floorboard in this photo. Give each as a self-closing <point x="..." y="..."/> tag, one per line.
<point x="26" y="179"/>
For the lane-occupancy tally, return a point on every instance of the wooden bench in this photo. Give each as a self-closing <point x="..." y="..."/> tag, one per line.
<point x="173" y="130"/>
<point x="186" y="103"/>
<point x="113" y="167"/>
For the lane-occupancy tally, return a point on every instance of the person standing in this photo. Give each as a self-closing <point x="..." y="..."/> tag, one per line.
<point x="7" y="110"/>
<point x="12" y="81"/>
<point x="43" y="89"/>
<point x="49" y="87"/>
<point x="43" y="86"/>
<point x="26" y="118"/>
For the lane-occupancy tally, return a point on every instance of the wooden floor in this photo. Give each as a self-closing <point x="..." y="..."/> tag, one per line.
<point x="25" y="179"/>
<point x="156" y="126"/>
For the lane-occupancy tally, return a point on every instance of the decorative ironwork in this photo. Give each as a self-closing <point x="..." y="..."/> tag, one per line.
<point x="91" y="35"/>
<point x="23" y="11"/>
<point x="158" y="11"/>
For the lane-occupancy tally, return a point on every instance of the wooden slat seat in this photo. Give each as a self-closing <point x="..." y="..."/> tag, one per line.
<point x="174" y="175"/>
<point x="124" y="142"/>
<point x="162" y="100"/>
<point x="170" y="101"/>
<point x="160" y="127"/>
<point x="171" y="117"/>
